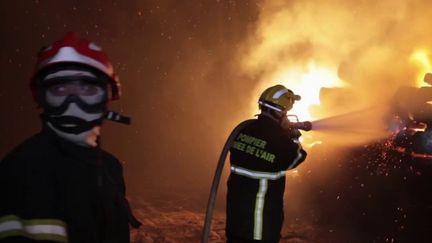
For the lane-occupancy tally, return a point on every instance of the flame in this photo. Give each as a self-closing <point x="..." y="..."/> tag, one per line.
<point x="307" y="82"/>
<point x="421" y="58"/>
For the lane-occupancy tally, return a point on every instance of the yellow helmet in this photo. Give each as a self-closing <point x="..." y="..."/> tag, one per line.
<point x="278" y="98"/>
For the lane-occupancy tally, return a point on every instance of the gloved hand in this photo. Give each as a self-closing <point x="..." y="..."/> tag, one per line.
<point x="290" y="129"/>
<point x="293" y="133"/>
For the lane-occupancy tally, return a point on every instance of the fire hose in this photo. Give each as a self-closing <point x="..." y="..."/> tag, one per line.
<point x="306" y="126"/>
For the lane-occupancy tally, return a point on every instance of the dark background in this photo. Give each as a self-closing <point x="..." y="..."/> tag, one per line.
<point x="175" y="62"/>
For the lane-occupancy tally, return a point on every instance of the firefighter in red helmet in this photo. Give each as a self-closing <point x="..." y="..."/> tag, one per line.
<point x="59" y="185"/>
<point x="262" y="151"/>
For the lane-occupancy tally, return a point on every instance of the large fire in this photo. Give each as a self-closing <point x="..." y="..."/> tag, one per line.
<point x="421" y="58"/>
<point x="347" y="69"/>
<point x="307" y="82"/>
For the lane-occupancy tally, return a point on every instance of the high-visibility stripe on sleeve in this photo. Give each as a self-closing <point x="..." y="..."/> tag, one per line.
<point x="36" y="229"/>
<point x="259" y="208"/>
<point x="299" y="154"/>
<point x="257" y="174"/>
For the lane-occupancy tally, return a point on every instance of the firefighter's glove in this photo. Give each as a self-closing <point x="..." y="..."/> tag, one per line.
<point x="293" y="133"/>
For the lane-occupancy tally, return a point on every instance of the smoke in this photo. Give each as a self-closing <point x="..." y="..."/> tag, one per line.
<point x="346" y="59"/>
<point x="366" y="48"/>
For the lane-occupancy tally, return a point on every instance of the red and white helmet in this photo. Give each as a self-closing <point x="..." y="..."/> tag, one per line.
<point x="72" y="49"/>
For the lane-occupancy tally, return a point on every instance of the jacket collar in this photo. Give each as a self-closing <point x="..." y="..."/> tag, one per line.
<point x="72" y="150"/>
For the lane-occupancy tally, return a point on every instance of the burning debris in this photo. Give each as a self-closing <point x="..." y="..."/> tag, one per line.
<point x="412" y="124"/>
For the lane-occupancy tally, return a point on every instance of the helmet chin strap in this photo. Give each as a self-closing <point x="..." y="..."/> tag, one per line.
<point x="74" y="124"/>
<point x="84" y="133"/>
<point x="86" y="139"/>
<point x="71" y="124"/>
<point x="74" y="119"/>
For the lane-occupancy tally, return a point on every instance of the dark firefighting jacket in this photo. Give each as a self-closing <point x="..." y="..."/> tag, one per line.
<point x="55" y="191"/>
<point x="260" y="155"/>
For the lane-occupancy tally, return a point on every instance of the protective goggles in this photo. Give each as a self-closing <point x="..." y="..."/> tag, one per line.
<point x="89" y="89"/>
<point x="87" y="92"/>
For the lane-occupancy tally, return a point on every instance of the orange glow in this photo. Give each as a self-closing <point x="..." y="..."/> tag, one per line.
<point x="357" y="63"/>
<point x="307" y="82"/>
<point x="421" y="58"/>
<point x="293" y="173"/>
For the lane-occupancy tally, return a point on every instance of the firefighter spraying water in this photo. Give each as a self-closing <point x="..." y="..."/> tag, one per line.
<point x="262" y="150"/>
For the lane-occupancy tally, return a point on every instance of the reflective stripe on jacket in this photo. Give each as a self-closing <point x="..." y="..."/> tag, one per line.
<point x="35" y="229"/>
<point x="259" y="156"/>
<point x="53" y="189"/>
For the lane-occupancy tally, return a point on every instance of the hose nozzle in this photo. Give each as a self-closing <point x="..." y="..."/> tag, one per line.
<point x="305" y="126"/>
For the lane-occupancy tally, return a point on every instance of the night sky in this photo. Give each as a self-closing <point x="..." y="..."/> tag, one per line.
<point x="192" y="70"/>
<point x="175" y="62"/>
